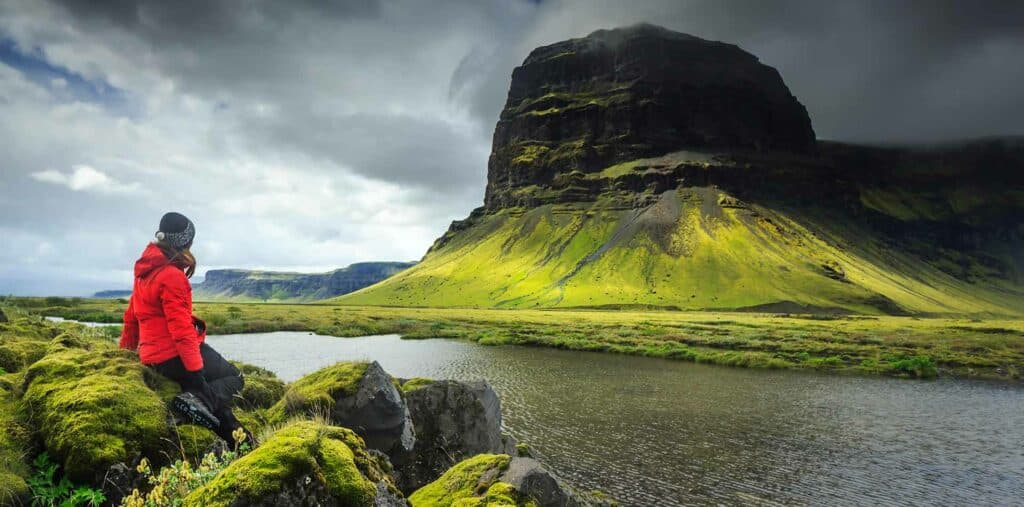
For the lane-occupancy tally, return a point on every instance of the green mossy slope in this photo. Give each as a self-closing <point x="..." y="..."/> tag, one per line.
<point x="336" y="457"/>
<point x="693" y="248"/>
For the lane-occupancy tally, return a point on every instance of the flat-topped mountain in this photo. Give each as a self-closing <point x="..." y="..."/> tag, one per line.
<point x="579" y="106"/>
<point x="244" y="284"/>
<point x="641" y="167"/>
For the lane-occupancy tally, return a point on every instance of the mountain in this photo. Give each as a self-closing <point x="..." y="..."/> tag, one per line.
<point x="112" y="294"/>
<point x="240" y="284"/>
<point x="640" y="167"/>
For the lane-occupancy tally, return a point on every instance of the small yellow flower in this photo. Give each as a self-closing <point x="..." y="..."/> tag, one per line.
<point x="143" y="467"/>
<point x="238" y="435"/>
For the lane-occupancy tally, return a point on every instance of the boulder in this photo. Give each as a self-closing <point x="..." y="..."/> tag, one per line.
<point x="498" y="479"/>
<point x="3" y="316"/>
<point x="453" y="421"/>
<point x="356" y="395"/>
<point x="304" y="463"/>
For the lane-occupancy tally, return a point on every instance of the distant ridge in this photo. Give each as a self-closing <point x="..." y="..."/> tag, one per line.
<point x="112" y="294"/>
<point x="249" y="285"/>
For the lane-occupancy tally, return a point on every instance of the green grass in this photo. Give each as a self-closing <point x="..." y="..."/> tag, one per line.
<point x="694" y="249"/>
<point x="874" y="345"/>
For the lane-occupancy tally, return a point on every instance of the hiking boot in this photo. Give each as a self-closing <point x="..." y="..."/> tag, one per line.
<point x="194" y="410"/>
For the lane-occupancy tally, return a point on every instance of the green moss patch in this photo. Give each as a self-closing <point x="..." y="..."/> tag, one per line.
<point x="262" y="388"/>
<point x="467" y="484"/>
<point x="416" y="383"/>
<point x="94" y="407"/>
<point x="334" y="456"/>
<point x="316" y="392"/>
<point x="14" y="443"/>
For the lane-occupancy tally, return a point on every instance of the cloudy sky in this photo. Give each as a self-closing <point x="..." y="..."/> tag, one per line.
<point x="309" y="135"/>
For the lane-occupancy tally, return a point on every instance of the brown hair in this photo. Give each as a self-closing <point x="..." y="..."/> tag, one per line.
<point x="180" y="256"/>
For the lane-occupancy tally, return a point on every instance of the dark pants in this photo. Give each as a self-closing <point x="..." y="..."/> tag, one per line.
<point x="224" y="382"/>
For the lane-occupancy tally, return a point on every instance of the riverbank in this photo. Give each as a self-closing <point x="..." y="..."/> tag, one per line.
<point x="898" y="346"/>
<point x="85" y="423"/>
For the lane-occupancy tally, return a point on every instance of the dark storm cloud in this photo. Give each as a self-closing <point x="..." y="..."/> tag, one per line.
<point x="867" y="71"/>
<point x="307" y="134"/>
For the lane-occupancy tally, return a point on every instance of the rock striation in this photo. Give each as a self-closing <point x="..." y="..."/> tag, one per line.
<point x="582" y="105"/>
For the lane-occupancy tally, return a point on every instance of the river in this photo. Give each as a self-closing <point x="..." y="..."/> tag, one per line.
<point x="658" y="432"/>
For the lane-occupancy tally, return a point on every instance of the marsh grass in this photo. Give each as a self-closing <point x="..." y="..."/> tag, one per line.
<point x="874" y="345"/>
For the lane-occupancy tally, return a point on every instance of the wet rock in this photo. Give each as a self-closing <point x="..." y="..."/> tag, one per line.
<point x="530" y="479"/>
<point x="453" y="421"/>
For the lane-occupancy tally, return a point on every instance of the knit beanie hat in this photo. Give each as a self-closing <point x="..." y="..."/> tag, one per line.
<point x="177" y="230"/>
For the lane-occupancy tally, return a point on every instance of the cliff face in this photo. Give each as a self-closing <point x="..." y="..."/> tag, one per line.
<point x="643" y="167"/>
<point x="266" y="285"/>
<point x="582" y="105"/>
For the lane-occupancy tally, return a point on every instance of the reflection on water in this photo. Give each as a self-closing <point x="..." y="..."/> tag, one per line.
<point x="86" y="324"/>
<point x="657" y="432"/>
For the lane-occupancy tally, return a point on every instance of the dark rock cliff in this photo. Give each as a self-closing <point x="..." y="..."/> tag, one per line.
<point x="582" y="105"/>
<point x="263" y="285"/>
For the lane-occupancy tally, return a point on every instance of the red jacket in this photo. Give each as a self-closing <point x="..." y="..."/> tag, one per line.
<point x="159" y="321"/>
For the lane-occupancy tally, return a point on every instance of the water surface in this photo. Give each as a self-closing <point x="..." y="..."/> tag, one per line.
<point x="658" y="432"/>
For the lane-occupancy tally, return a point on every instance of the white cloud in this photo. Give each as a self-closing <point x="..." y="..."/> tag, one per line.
<point x="83" y="178"/>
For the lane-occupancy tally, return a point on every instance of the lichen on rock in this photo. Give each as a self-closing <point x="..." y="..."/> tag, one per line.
<point x="304" y="463"/>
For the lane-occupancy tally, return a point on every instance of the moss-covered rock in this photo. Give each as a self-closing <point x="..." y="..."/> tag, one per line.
<point x="305" y="463"/>
<point x="465" y="484"/>
<point x="491" y="480"/>
<point x="356" y="395"/>
<point x="262" y="388"/>
<point x="317" y="392"/>
<point x="94" y="405"/>
<point x="14" y="443"/>
<point x="416" y="383"/>
<point x="23" y="341"/>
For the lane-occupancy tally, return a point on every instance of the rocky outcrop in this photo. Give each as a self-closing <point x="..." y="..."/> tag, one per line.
<point x="583" y="105"/>
<point x="360" y="396"/>
<point x="271" y="285"/>
<point x="453" y="421"/>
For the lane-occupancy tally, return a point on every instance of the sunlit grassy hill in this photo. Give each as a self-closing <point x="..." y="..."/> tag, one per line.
<point x="786" y="235"/>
